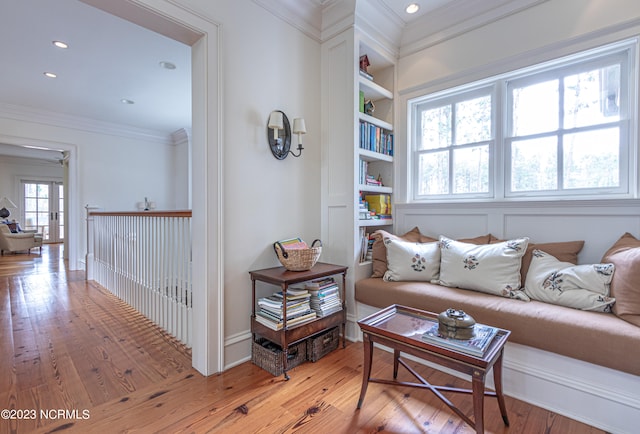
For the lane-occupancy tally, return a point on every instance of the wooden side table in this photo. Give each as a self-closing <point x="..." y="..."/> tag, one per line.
<point x="401" y="328"/>
<point x="291" y="335"/>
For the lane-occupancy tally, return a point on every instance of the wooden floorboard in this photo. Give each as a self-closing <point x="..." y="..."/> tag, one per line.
<point x="91" y="364"/>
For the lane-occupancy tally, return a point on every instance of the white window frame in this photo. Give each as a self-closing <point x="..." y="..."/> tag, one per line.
<point x="451" y="98"/>
<point x="499" y="151"/>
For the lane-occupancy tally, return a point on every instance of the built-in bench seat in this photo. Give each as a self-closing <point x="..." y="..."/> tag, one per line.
<point x="595" y="337"/>
<point x="584" y="364"/>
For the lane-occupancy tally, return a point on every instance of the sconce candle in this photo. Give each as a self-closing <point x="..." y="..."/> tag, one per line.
<point x="276" y="122"/>
<point x="299" y="128"/>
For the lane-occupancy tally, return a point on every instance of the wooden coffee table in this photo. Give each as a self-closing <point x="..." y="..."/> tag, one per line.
<point x="401" y="328"/>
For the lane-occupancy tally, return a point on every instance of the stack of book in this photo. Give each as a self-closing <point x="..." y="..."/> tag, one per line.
<point x="363" y="209"/>
<point x="370" y="180"/>
<point x="325" y="296"/>
<point x="375" y="138"/>
<point x="271" y="309"/>
<point x="366" y="246"/>
<point x="476" y="346"/>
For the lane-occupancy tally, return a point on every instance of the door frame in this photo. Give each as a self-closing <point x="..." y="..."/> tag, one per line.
<point x="197" y="30"/>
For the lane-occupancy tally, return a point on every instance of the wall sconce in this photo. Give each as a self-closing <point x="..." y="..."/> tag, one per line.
<point x="279" y="134"/>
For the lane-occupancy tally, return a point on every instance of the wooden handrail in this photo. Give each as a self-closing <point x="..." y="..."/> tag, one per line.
<point x="176" y="213"/>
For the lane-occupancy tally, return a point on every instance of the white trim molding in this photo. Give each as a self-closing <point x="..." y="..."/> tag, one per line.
<point x="30" y="114"/>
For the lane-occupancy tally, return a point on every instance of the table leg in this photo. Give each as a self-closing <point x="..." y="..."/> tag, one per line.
<point x="478" y="400"/>
<point x="285" y="367"/>
<point x="396" y="358"/>
<point x="366" y="370"/>
<point x="497" y="380"/>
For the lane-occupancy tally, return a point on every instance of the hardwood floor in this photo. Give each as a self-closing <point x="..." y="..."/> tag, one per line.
<point x="79" y="360"/>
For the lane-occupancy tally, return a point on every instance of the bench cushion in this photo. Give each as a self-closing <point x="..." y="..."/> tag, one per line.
<point x="625" y="286"/>
<point x="595" y="337"/>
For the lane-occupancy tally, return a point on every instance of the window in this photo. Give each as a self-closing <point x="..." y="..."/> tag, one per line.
<point x="559" y="129"/>
<point x="453" y="145"/>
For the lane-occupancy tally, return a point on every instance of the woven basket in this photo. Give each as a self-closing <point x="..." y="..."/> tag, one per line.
<point x="321" y="345"/>
<point x="269" y="356"/>
<point x="298" y="259"/>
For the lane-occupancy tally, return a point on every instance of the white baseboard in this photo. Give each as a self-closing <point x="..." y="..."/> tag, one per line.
<point x="601" y="397"/>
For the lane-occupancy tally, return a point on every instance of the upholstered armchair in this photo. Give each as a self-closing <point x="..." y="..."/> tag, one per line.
<point x="15" y="242"/>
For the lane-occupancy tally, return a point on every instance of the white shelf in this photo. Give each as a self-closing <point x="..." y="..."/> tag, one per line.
<point x="368" y="155"/>
<point x="375" y="222"/>
<point x="375" y="189"/>
<point x="375" y="121"/>
<point x="373" y="90"/>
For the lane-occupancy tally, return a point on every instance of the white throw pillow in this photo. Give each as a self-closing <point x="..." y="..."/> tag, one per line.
<point x="491" y="268"/>
<point x="411" y="261"/>
<point x="584" y="287"/>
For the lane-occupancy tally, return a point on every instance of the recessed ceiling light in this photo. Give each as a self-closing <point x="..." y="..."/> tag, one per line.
<point x="412" y="8"/>
<point x="60" y="44"/>
<point x="127" y="101"/>
<point x="167" y="65"/>
<point x="50" y="75"/>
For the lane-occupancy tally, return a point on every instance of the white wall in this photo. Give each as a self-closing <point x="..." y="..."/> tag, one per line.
<point x="114" y="172"/>
<point x="266" y="65"/>
<point x="549" y="30"/>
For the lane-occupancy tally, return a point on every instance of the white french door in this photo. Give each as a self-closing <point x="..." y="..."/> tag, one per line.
<point x="43" y="205"/>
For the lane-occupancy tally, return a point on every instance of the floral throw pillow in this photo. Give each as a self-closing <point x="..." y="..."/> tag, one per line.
<point x="584" y="287"/>
<point x="491" y="268"/>
<point x="411" y="261"/>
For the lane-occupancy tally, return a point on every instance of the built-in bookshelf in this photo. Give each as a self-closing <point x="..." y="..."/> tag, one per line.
<point x="353" y="164"/>
<point x="375" y="144"/>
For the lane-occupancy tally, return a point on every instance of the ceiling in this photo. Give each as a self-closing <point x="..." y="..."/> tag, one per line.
<point x="426" y="6"/>
<point x="110" y="59"/>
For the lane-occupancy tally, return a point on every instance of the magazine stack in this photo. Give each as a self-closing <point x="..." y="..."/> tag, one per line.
<point x="325" y="296"/>
<point x="271" y="312"/>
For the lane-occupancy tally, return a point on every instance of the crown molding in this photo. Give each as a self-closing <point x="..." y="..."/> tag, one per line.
<point x="30" y="161"/>
<point x="337" y="16"/>
<point x="375" y="19"/>
<point x="181" y="136"/>
<point x="304" y="15"/>
<point x="323" y="19"/>
<point x="33" y="115"/>
<point x="455" y="19"/>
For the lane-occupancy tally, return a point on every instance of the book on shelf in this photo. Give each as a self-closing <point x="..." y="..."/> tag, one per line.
<point x="476" y="346"/>
<point x="379" y="203"/>
<point x="366" y="245"/>
<point x="325" y="296"/>
<point x="323" y="292"/>
<point x="273" y="306"/>
<point x="320" y="283"/>
<point x="292" y="296"/>
<point x="277" y="301"/>
<point x="375" y="138"/>
<point x="275" y="324"/>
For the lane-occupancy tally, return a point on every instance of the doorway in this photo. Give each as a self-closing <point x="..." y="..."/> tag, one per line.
<point x="43" y="209"/>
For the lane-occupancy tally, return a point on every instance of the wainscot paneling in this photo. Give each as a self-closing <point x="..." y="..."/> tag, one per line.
<point x="598" y="223"/>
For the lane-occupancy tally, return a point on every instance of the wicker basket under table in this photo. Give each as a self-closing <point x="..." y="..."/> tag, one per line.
<point x="322" y="344"/>
<point x="269" y="357"/>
